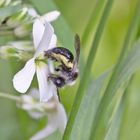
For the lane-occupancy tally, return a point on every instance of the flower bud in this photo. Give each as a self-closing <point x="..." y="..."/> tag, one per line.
<point x="16" y="2"/>
<point x="22" y="30"/>
<point x="20" y="50"/>
<point x="32" y="12"/>
<point x="17" y="19"/>
<point x="8" y="52"/>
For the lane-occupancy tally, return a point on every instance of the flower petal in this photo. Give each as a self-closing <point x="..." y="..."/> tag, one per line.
<point x="23" y="78"/>
<point x="38" y="30"/>
<point x="38" y="26"/>
<point x="34" y="93"/>
<point x="61" y="118"/>
<point x="53" y="42"/>
<point x="57" y="119"/>
<point x="35" y="114"/>
<point x="32" y="12"/>
<point x="26" y="102"/>
<point x="51" y="16"/>
<point x="44" y="86"/>
<point x="46" y="39"/>
<point x="30" y="103"/>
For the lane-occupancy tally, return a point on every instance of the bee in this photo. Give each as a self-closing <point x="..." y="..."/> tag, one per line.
<point x="66" y="72"/>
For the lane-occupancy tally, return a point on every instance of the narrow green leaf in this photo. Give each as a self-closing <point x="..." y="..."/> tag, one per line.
<point x="86" y="76"/>
<point x="82" y="126"/>
<point x="120" y="72"/>
<point x="9" y="10"/>
<point x="115" y="122"/>
<point x="116" y="118"/>
<point x="130" y="66"/>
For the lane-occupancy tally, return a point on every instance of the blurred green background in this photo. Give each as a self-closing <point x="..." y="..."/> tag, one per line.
<point x="77" y="16"/>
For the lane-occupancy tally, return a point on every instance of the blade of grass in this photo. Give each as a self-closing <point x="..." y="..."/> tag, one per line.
<point x="131" y="65"/>
<point x="86" y="76"/>
<point x="116" y="124"/>
<point x="109" y="90"/>
<point x="82" y="125"/>
<point x="113" y="130"/>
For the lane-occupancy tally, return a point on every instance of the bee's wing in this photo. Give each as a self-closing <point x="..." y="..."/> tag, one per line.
<point x="77" y="49"/>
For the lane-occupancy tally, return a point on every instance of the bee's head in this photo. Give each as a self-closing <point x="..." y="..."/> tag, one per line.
<point x="72" y="78"/>
<point x="58" y="81"/>
<point x="75" y="75"/>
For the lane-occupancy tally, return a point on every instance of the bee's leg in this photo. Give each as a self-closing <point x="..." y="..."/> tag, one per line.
<point x="58" y="95"/>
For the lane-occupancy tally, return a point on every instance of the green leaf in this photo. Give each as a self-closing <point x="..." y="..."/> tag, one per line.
<point x="115" y="121"/>
<point x="82" y="126"/>
<point x="130" y="65"/>
<point x="130" y="124"/>
<point x="117" y="117"/>
<point x="121" y="74"/>
<point x="9" y="10"/>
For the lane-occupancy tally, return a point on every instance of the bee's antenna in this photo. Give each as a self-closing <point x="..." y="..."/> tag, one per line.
<point x="77" y="50"/>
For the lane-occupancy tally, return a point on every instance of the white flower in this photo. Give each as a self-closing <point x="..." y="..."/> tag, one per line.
<point x="53" y="109"/>
<point x="51" y="16"/>
<point x="44" y="39"/>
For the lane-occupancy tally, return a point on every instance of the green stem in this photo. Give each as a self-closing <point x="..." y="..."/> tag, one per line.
<point x="6" y="33"/>
<point x="98" y="120"/>
<point x="4" y="27"/>
<point x="8" y="96"/>
<point x="86" y="76"/>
